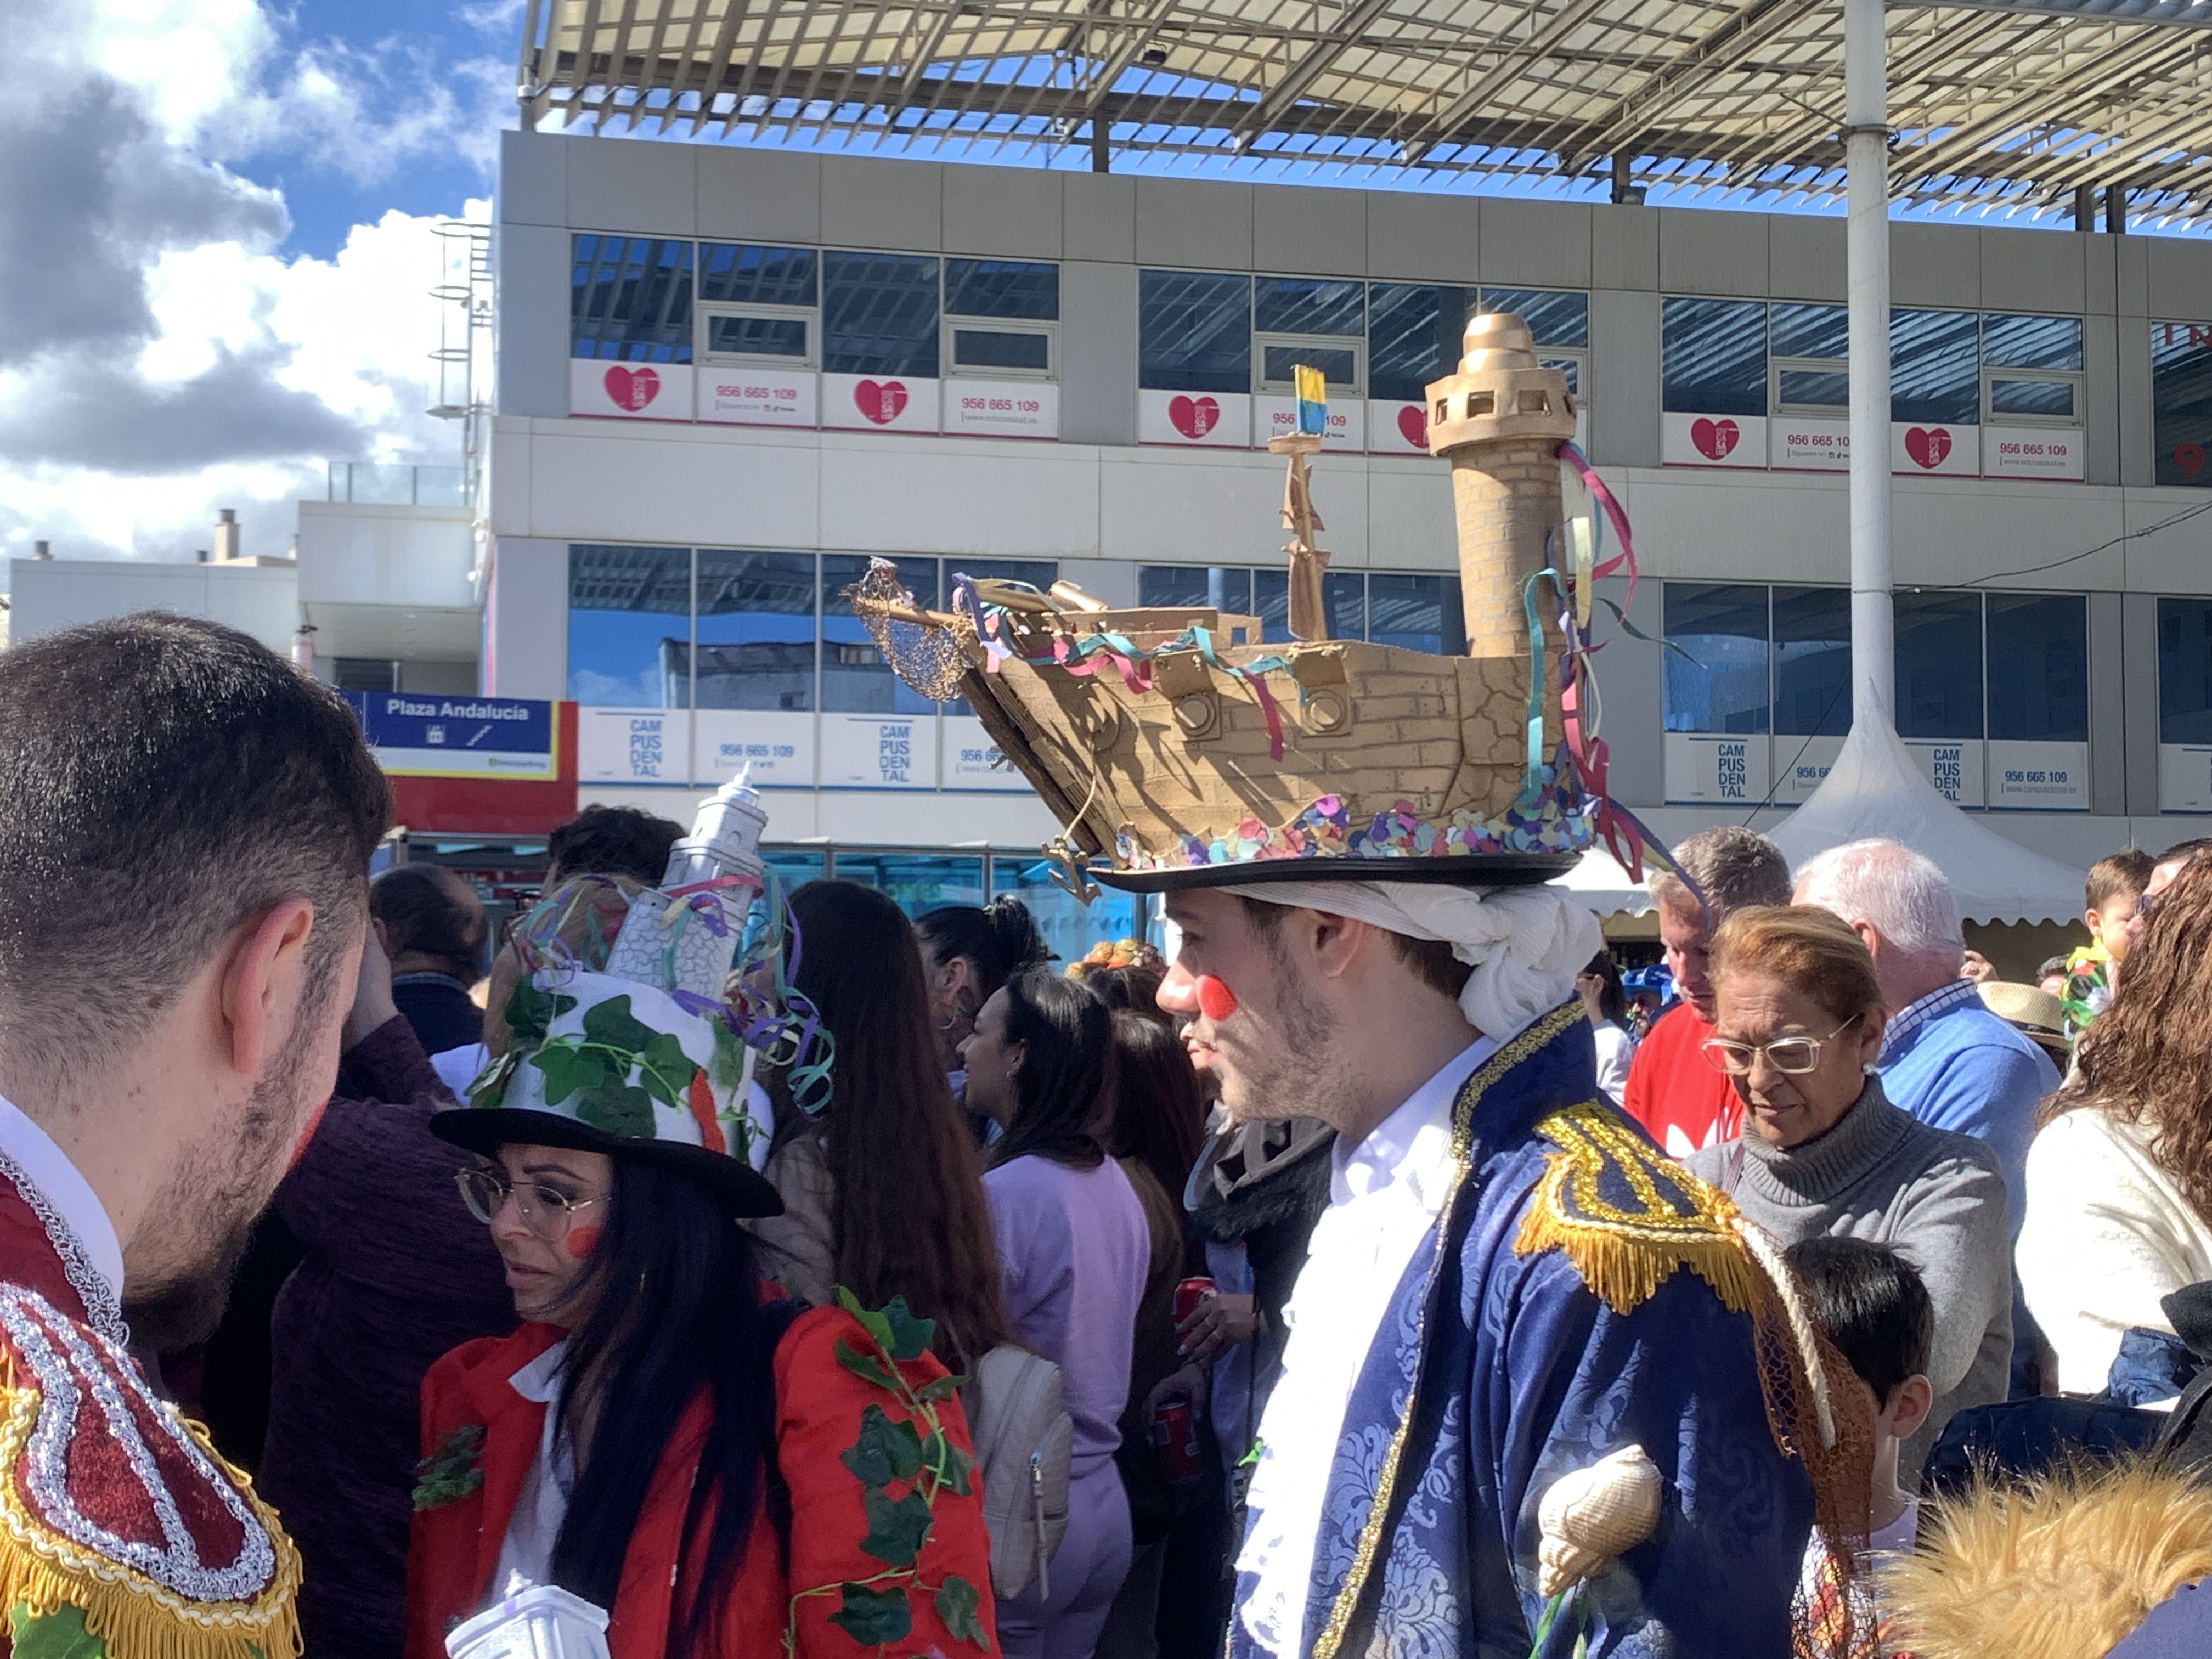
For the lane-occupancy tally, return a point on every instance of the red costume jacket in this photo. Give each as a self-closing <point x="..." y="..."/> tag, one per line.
<point x="479" y="1437"/>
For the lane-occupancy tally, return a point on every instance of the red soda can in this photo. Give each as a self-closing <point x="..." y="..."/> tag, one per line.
<point x="1189" y="1294"/>
<point x="1175" y="1439"/>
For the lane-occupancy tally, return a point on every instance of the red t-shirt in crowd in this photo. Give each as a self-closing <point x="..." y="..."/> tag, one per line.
<point x="1682" y="1103"/>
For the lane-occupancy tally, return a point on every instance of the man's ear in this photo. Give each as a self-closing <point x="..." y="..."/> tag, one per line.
<point x="1337" y="940"/>
<point x="1868" y="938"/>
<point x="1908" y="1406"/>
<point x="261" y="980"/>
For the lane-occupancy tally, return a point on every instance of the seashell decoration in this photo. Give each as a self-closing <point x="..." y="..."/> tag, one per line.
<point x="1590" y="1516"/>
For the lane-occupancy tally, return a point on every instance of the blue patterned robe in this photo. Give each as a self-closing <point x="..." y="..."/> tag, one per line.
<point x="1496" y="1369"/>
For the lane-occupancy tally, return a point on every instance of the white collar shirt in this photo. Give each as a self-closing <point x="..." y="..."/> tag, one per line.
<point x="1385" y="1194"/>
<point x="525" y="1553"/>
<point x="48" y="1169"/>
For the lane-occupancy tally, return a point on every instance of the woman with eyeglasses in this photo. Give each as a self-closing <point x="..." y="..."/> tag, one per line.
<point x="719" y="1470"/>
<point x="1797" y="1026"/>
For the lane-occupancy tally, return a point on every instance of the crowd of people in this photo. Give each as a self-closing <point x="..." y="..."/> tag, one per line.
<point x="1303" y="1287"/>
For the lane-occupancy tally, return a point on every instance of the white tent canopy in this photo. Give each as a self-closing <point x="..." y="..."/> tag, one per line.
<point x="1874" y="789"/>
<point x="1600" y="883"/>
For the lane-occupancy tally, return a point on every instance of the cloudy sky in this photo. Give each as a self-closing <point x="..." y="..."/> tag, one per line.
<point x="216" y="246"/>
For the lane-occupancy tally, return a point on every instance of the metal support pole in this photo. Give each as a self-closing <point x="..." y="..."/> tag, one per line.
<point x="1866" y="105"/>
<point x="2116" y="209"/>
<point x="2085" y="207"/>
<point x="1101" y="153"/>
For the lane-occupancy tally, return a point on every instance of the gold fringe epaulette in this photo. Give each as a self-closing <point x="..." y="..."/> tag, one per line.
<point x="119" y="1520"/>
<point x="1628" y="1217"/>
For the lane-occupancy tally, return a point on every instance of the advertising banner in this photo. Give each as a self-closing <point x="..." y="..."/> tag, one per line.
<point x="2040" y="777"/>
<point x="1731" y="769"/>
<point x="630" y="392"/>
<point x="2031" y="452"/>
<point x="1797" y="443"/>
<point x="633" y="746"/>
<point x="1277" y="417"/>
<point x="1954" y="766"/>
<point x="1398" y="428"/>
<point x="878" y="751"/>
<point x="878" y="403"/>
<point x="1208" y="420"/>
<point x="972" y="761"/>
<point x="1800" y="765"/>
<point x="757" y="396"/>
<point x="2185" y="777"/>
<point x="1712" y="440"/>
<point x="417" y="735"/>
<point x="1002" y="408"/>
<point x="776" y="745"/>
<point x="1950" y="451"/>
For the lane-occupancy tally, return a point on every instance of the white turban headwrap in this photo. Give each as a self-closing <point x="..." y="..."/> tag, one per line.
<point x="1525" y="944"/>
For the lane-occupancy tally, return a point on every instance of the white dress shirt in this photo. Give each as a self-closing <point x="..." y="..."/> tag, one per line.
<point x="1385" y="1194"/>
<point x="49" y="1170"/>
<point x="526" y="1554"/>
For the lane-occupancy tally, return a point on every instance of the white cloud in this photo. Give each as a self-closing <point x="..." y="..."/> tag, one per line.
<point x="159" y="356"/>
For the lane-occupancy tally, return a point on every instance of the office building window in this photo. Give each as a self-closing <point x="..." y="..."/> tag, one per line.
<point x="629" y="299"/>
<point x="1220" y="587"/>
<point x="1939" y="665"/>
<point x="855" y="677"/>
<point x="1304" y="320"/>
<point x="1808" y="347"/>
<point x="2181" y="401"/>
<point x="1193" y="332"/>
<point x="1554" y="318"/>
<point x="2031" y="368"/>
<point x="755" y="630"/>
<point x="740" y="273"/>
<point x="1000" y="317"/>
<point x="1812" y="662"/>
<point x="758" y="304"/>
<point x="1716" y="679"/>
<point x="2184" y="670"/>
<point x="1414" y="335"/>
<point x="1935" y="369"/>
<point x="879" y="314"/>
<point x="2038" y="649"/>
<point x="629" y="626"/>
<point x="1713" y="358"/>
<point x="1343" y="602"/>
<point x="1418" y="613"/>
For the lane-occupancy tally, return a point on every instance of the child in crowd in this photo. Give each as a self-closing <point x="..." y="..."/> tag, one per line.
<point x="2116" y="885"/>
<point x="1870" y="1303"/>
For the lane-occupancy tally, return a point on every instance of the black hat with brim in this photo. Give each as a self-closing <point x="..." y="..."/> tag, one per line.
<point x="1455" y="869"/>
<point x="731" y="1182"/>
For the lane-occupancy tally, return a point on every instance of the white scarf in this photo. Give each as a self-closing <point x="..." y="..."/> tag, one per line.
<point x="1525" y="944"/>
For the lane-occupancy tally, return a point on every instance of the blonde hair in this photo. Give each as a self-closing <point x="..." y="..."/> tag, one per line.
<point x="1805" y="947"/>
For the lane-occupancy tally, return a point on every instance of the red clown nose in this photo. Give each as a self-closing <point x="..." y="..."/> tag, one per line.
<point x="1215" y="1000"/>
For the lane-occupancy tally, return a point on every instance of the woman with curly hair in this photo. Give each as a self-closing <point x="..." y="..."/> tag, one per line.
<point x="2119" y="1177"/>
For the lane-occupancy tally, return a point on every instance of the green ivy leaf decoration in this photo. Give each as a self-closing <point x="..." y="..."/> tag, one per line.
<point x="729" y="1057"/>
<point x="666" y="1070"/>
<point x="896" y="1527"/>
<point x="57" y="1635"/>
<point x="959" y="1606"/>
<point x="866" y="1366"/>
<point x="873" y="1617"/>
<point x="886" y="1451"/>
<point x="571" y="1070"/>
<point x="612" y="1023"/>
<point x="619" y="1108"/>
<point x="953" y="1464"/>
<point x="450" y="1472"/>
<point x="490" y="1088"/>
<point x="941" y="1388"/>
<point x="876" y="1325"/>
<point x="531" y="1012"/>
<point x="909" y="1338"/>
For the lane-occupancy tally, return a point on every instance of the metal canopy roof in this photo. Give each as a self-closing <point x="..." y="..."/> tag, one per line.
<point x="2005" y="105"/>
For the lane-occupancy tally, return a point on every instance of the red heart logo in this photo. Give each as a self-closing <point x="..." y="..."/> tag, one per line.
<point x="2190" y="457"/>
<point x="1928" y="444"/>
<point x="1714" y="439"/>
<point x="1413" y="424"/>
<point x="1194" y="417"/>
<point x="880" y="401"/>
<point x="632" y="388"/>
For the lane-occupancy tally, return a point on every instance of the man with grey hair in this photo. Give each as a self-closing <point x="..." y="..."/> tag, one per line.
<point x="1947" y="1059"/>
<point x="1682" y="1103"/>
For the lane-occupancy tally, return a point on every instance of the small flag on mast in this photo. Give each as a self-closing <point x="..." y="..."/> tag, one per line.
<point x="1313" y="400"/>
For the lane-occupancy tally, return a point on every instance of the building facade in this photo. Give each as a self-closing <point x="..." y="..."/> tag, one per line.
<point x="727" y="378"/>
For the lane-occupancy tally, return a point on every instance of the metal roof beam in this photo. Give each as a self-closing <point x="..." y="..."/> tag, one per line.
<point x="1303" y="74"/>
<point x="1512" y="62"/>
<point x="2168" y="12"/>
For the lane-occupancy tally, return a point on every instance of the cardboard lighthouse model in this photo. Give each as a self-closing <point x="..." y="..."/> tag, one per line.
<point x="1169" y="740"/>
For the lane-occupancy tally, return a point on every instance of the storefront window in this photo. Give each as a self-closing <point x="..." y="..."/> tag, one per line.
<point x="1715" y="675"/>
<point x="855" y="677"/>
<point x="1939" y="665"/>
<point x="2184" y="670"/>
<point x="1193" y="332"/>
<point x="795" y="866"/>
<point x="2038" y="647"/>
<point x="629" y="299"/>
<point x="1713" y="355"/>
<point x="2181" y="401"/>
<point x="879" y="314"/>
<point x="916" y="881"/>
<point x="1812" y="662"/>
<point x="755" y="631"/>
<point x="629" y="626"/>
<point x="1070" y="927"/>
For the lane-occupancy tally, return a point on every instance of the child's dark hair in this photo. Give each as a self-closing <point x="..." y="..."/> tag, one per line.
<point x="1872" y="1304"/>
<point x="2126" y="871"/>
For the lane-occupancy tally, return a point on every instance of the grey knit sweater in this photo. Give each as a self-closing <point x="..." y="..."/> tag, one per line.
<point x="1938" y="1197"/>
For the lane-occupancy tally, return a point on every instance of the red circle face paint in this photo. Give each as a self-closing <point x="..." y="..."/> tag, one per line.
<point x="1215" y="1000"/>
<point x="580" y="1243"/>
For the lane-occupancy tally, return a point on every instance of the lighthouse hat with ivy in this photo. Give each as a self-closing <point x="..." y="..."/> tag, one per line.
<point x="636" y="1028"/>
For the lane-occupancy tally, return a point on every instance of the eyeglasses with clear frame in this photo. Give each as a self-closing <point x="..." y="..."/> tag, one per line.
<point x="547" y="1212"/>
<point x="1793" y="1056"/>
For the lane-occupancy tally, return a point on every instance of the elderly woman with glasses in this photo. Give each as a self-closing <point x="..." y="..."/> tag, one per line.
<point x="1797" y="1027"/>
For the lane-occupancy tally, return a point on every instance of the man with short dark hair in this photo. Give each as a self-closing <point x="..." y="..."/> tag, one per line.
<point x="611" y="840"/>
<point x="1680" y="1099"/>
<point x="431" y="924"/>
<point x="186" y="825"/>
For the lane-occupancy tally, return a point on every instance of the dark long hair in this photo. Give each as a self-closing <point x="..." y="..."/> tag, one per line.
<point x="907" y="1198"/>
<point x="1612" y="1001"/>
<point x="678" y="1309"/>
<point x="1160" y="1111"/>
<point x="999" y="940"/>
<point x="1067" y="1039"/>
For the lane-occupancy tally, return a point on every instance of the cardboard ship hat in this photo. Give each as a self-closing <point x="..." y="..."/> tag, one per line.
<point x="1179" y="749"/>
